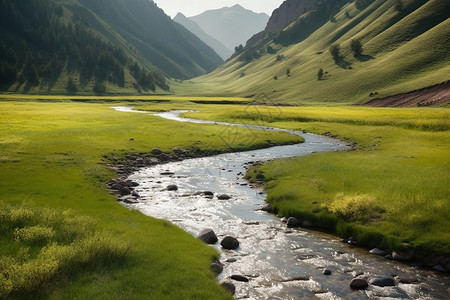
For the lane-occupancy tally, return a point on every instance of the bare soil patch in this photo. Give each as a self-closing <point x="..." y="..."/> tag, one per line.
<point x="437" y="95"/>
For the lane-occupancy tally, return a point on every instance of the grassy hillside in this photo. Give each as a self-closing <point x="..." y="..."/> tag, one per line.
<point x="404" y="48"/>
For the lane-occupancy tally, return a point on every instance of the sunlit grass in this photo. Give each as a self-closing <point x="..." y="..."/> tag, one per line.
<point x="51" y="156"/>
<point x="400" y="162"/>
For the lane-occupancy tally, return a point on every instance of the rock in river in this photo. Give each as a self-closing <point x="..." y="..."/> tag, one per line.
<point x="228" y="286"/>
<point x="230" y="243"/>
<point x="382" y="281"/>
<point x="172" y="187"/>
<point x="223" y="197"/>
<point x="358" y="284"/>
<point x="239" y="278"/>
<point x="293" y="222"/>
<point x="208" y="236"/>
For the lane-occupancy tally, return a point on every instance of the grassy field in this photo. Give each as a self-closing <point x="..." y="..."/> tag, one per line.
<point x="63" y="235"/>
<point x="390" y="190"/>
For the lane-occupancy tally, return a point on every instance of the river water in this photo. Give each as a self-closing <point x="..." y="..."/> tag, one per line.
<point x="280" y="263"/>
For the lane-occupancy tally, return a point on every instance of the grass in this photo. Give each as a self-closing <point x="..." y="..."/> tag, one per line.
<point x="392" y="189"/>
<point x="401" y="53"/>
<point x="53" y="173"/>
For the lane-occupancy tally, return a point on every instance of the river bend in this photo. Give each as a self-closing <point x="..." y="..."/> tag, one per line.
<point x="281" y="263"/>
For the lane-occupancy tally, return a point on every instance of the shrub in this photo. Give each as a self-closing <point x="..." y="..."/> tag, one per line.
<point x="356" y="47"/>
<point x="320" y="74"/>
<point x="34" y="235"/>
<point x="335" y="51"/>
<point x="48" y="243"/>
<point x="354" y="207"/>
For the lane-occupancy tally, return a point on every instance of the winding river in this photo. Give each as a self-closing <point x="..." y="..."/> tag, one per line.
<point x="280" y="263"/>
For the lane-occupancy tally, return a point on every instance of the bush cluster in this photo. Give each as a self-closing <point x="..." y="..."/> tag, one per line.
<point x="49" y="243"/>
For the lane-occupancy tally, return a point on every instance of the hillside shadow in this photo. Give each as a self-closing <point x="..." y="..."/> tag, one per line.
<point x="344" y="64"/>
<point x="363" y="57"/>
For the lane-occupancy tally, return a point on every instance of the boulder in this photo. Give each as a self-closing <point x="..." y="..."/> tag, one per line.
<point x="377" y="251"/>
<point x="229" y="286"/>
<point x="382" y="281"/>
<point x="223" y="197"/>
<point x="156" y="151"/>
<point x="267" y="207"/>
<point x="172" y="187"/>
<point x="358" y="283"/>
<point x="216" y="267"/>
<point x="293" y="222"/>
<point x="327" y="272"/>
<point x="239" y="278"/>
<point x="208" y="236"/>
<point x="230" y="243"/>
<point x="403" y="256"/>
<point x="407" y="280"/>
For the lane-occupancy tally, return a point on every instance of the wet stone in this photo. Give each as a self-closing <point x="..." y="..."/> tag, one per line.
<point x="223" y="197"/>
<point x="358" y="284"/>
<point x="327" y="272"/>
<point x="208" y="236"/>
<point x="239" y="278"/>
<point x="229" y="286"/>
<point x="377" y="251"/>
<point x="230" y="243"/>
<point x="382" y="281"/>
<point x="293" y="222"/>
<point x="172" y="187"/>
<point x="217" y="268"/>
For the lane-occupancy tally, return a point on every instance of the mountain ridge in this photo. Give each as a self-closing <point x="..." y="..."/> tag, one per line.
<point x="193" y="27"/>
<point x="232" y="26"/>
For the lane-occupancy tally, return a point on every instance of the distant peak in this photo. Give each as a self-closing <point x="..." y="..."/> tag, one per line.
<point x="180" y="15"/>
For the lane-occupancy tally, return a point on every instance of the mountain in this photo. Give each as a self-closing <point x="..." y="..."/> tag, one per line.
<point x="349" y="51"/>
<point x="102" y="46"/>
<point x="193" y="27"/>
<point x="231" y="26"/>
<point x="165" y="43"/>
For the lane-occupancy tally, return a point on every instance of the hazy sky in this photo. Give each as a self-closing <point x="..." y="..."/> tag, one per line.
<point x="194" y="7"/>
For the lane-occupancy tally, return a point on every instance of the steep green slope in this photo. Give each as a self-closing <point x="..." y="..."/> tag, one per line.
<point x="70" y="46"/>
<point x="165" y="43"/>
<point x="405" y="47"/>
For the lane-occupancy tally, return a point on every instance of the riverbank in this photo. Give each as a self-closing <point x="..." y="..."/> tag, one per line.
<point x="52" y="157"/>
<point x="399" y="172"/>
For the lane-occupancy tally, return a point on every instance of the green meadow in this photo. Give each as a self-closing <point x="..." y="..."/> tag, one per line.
<point x="63" y="235"/>
<point x="391" y="189"/>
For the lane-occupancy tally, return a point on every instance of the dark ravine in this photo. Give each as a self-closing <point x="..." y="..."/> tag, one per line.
<point x="270" y="260"/>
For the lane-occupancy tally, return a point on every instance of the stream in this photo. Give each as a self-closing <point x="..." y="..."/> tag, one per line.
<point x="280" y="263"/>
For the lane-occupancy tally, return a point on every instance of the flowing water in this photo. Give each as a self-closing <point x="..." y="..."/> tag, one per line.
<point x="280" y="263"/>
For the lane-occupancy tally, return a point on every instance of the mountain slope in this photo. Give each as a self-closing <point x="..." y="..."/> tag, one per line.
<point x="232" y="26"/>
<point x="193" y="27"/>
<point x="165" y="43"/>
<point x="70" y="46"/>
<point x="404" y="48"/>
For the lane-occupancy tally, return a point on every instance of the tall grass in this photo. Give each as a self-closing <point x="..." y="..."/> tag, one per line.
<point x="48" y="244"/>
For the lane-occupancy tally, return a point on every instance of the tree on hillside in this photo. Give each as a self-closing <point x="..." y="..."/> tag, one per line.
<point x="320" y="74"/>
<point x="356" y="47"/>
<point x="335" y="51"/>
<point x="238" y="49"/>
